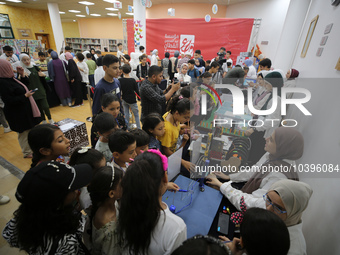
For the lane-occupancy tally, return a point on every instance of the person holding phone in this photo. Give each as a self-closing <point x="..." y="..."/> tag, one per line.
<point x="21" y="111"/>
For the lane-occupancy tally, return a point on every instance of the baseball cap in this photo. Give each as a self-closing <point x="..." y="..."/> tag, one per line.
<point x="50" y="182"/>
<point x="68" y="48"/>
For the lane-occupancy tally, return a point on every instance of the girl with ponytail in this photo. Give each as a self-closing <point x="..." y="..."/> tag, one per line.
<point x="145" y="224"/>
<point x="178" y="112"/>
<point x="47" y="143"/>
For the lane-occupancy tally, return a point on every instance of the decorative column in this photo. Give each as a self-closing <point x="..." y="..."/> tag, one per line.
<point x="53" y="10"/>
<point x="139" y="24"/>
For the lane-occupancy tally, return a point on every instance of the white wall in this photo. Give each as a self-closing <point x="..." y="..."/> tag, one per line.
<point x="273" y="14"/>
<point x="321" y="131"/>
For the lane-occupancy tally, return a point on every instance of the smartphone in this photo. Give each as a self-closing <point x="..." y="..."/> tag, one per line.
<point x="223" y="223"/>
<point x="34" y="90"/>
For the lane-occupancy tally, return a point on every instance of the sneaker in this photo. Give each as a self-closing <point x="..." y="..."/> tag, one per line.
<point x="75" y="105"/>
<point x="7" y="129"/>
<point x="4" y="200"/>
<point x="69" y="104"/>
<point x="51" y="121"/>
<point x="44" y="122"/>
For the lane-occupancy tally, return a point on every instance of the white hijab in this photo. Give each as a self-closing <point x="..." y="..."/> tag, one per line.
<point x="295" y="196"/>
<point x="21" y="56"/>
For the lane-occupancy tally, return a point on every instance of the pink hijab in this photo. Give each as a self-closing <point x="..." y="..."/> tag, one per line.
<point x="68" y="56"/>
<point x="6" y="71"/>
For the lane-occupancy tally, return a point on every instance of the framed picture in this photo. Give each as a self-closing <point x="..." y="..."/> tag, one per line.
<point x="328" y="28"/>
<point x="309" y="36"/>
<point x="24" y="33"/>
<point x="319" y="52"/>
<point x="323" y="40"/>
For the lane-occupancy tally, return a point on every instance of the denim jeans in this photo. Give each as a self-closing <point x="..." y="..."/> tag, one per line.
<point x="134" y="109"/>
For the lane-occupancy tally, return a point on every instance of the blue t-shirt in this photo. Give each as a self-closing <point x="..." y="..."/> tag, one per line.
<point x="154" y="143"/>
<point x="102" y="88"/>
<point x="194" y="74"/>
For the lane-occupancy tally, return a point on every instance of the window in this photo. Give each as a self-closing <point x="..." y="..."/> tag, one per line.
<point x="6" y="31"/>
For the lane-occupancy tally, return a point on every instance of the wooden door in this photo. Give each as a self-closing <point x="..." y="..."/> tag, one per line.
<point x="44" y="40"/>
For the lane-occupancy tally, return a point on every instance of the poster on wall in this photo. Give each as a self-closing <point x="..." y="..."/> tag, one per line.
<point x="193" y="34"/>
<point x="25" y="33"/>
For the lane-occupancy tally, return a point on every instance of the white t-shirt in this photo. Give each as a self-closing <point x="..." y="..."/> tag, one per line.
<point x="85" y="73"/>
<point x="104" y="148"/>
<point x="99" y="73"/>
<point x="169" y="233"/>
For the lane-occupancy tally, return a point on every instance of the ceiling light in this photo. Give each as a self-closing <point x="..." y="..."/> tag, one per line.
<point x="129" y="13"/>
<point x="61" y="12"/>
<point x="14" y="1"/>
<point x="110" y="1"/>
<point x="111" y="9"/>
<point x="2" y="3"/>
<point x="86" y="3"/>
<point x="82" y="16"/>
<point x="75" y="11"/>
<point x="74" y="20"/>
<point x="112" y="14"/>
<point x="95" y="14"/>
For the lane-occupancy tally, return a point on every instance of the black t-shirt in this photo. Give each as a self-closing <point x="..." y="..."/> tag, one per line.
<point x="129" y="87"/>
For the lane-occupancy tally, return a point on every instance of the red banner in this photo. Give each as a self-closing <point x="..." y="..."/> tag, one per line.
<point x="188" y="35"/>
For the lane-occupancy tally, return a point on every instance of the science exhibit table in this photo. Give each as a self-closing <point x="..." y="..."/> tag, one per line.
<point x="200" y="207"/>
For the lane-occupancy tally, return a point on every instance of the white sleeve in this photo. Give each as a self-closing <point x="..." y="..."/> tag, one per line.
<point x="176" y="242"/>
<point x="241" y="176"/>
<point x="274" y="117"/>
<point x="262" y="102"/>
<point x="234" y="196"/>
<point x="86" y="69"/>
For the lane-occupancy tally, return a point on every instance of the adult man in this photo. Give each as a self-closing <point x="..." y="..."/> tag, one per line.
<point x="152" y="97"/>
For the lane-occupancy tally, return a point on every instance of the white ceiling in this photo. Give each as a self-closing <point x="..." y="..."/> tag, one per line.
<point x="99" y="6"/>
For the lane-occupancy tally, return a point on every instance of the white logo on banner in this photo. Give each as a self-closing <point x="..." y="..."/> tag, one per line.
<point x="187" y="44"/>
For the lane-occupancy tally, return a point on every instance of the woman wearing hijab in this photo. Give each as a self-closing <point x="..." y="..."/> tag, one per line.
<point x="266" y="124"/>
<point x="288" y="199"/>
<point x="57" y="73"/>
<point x="154" y="58"/>
<point x="283" y="147"/>
<point x="291" y="75"/>
<point x="36" y="81"/>
<point x="165" y="64"/>
<point x="182" y="76"/>
<point x="21" y="111"/>
<point x="75" y="79"/>
<point x="252" y="71"/>
<point x="173" y="65"/>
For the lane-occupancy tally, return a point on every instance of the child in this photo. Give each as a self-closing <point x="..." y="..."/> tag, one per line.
<point x="99" y="72"/>
<point x="142" y="68"/>
<point x="142" y="140"/>
<point x="110" y="104"/>
<point x="178" y="113"/>
<point x="105" y="124"/>
<point x="104" y="190"/>
<point x="42" y="63"/>
<point x="129" y="90"/>
<point x="145" y="223"/>
<point x="199" y="66"/>
<point x="108" y="84"/>
<point x="123" y="147"/>
<point x="193" y="72"/>
<point x="84" y="71"/>
<point x="153" y="125"/>
<point x="96" y="160"/>
<point x="47" y="142"/>
<point x="92" y="67"/>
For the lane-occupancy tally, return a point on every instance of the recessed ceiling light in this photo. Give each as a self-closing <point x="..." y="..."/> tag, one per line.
<point x="61" y="12"/>
<point x="2" y="3"/>
<point x="82" y="16"/>
<point x="74" y="20"/>
<point x="75" y="11"/>
<point x="95" y="14"/>
<point x="110" y="1"/>
<point x="86" y="3"/>
<point x="111" y="9"/>
<point x="112" y="14"/>
<point x="14" y="1"/>
<point x="129" y="13"/>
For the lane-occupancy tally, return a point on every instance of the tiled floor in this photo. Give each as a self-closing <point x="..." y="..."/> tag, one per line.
<point x="8" y="187"/>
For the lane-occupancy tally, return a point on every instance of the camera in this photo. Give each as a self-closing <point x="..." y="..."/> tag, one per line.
<point x="221" y="54"/>
<point x="176" y="80"/>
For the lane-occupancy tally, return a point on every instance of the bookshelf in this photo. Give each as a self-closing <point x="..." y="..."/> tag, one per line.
<point x="104" y="45"/>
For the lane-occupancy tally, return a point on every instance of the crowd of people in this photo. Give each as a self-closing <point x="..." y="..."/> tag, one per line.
<point x="107" y="199"/>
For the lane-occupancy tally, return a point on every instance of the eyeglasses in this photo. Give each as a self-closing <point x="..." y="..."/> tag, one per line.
<point x="268" y="201"/>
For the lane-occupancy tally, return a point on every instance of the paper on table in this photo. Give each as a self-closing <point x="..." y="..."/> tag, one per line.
<point x="67" y="126"/>
<point x="174" y="164"/>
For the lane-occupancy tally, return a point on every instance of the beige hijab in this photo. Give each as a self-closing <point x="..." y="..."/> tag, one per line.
<point x="295" y="196"/>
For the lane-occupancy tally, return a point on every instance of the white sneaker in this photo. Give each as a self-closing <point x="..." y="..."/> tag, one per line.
<point x="4" y="200"/>
<point x="7" y="129"/>
<point x="44" y="122"/>
<point x="51" y="121"/>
